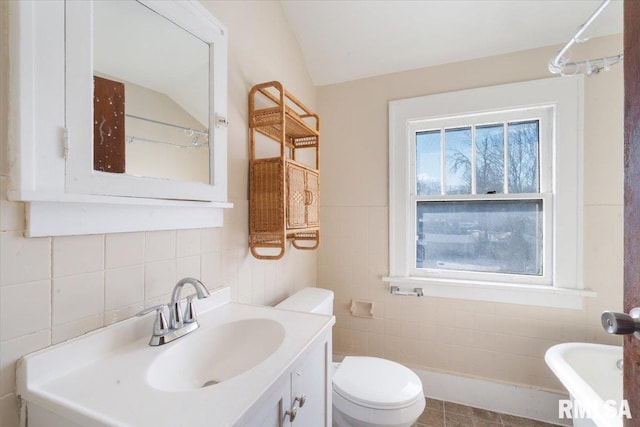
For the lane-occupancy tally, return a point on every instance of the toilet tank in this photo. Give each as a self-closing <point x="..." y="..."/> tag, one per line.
<point x="310" y="300"/>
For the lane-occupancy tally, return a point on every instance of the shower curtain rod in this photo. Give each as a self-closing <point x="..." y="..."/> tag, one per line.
<point x="186" y="129"/>
<point x="558" y="65"/>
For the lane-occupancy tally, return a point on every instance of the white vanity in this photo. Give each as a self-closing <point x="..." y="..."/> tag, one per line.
<point x="244" y="366"/>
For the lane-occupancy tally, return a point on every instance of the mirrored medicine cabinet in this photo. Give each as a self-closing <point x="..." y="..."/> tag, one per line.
<point x="119" y="118"/>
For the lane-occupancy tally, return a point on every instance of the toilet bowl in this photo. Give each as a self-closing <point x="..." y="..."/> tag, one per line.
<point x="367" y="391"/>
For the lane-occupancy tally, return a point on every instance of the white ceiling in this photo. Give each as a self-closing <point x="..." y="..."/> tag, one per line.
<point x="344" y="40"/>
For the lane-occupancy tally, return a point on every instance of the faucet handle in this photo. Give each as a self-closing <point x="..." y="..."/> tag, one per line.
<point x="189" y="311"/>
<point x="175" y="315"/>
<point x="150" y="309"/>
<point x="160" y="326"/>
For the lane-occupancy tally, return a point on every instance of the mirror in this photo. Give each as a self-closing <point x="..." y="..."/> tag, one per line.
<point x="151" y="95"/>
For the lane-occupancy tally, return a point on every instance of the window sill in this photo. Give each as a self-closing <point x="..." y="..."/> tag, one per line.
<point x="544" y="296"/>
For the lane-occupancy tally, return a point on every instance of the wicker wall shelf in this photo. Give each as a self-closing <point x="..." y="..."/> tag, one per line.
<point x="283" y="192"/>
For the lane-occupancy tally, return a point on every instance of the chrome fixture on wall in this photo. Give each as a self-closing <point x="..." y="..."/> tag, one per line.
<point x="417" y="292"/>
<point x="180" y="323"/>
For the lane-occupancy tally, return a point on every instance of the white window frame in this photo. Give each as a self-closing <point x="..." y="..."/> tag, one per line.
<point x="560" y="190"/>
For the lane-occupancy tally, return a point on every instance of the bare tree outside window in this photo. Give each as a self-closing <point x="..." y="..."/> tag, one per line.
<point x="490" y="159"/>
<point x="523" y="157"/>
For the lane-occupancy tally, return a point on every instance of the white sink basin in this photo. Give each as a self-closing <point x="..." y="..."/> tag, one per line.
<point x="210" y="356"/>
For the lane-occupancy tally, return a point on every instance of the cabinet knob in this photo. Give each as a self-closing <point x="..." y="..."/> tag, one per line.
<point x="302" y="399"/>
<point x="292" y="414"/>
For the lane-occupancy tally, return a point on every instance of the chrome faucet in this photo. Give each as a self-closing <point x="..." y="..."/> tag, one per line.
<point x="180" y="323"/>
<point x="177" y="321"/>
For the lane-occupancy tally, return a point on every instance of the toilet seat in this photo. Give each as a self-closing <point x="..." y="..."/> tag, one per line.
<point x="376" y="383"/>
<point x="348" y="413"/>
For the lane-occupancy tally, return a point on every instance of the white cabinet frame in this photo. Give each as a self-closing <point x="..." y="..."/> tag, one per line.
<point x="50" y="129"/>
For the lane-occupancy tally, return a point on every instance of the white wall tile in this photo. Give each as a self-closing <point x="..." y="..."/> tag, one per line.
<point x="75" y="328"/>
<point x="159" y="245"/>
<point x="257" y="282"/>
<point x="229" y="265"/>
<point x="24" y="259"/>
<point x="210" y="269"/>
<point x="188" y="267"/>
<point x="24" y="309"/>
<point x="123" y="249"/>
<point x="77" y="297"/>
<point x="188" y="242"/>
<point x="12" y="350"/>
<point x="124" y="287"/>
<point x="11" y="216"/>
<point x="74" y="255"/>
<point x="235" y="234"/>
<point x="210" y="240"/>
<point x="245" y="285"/>
<point x="159" y="278"/>
<point x="9" y="410"/>
<point x="122" y="313"/>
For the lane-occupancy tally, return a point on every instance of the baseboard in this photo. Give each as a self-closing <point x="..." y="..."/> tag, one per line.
<point x="498" y="397"/>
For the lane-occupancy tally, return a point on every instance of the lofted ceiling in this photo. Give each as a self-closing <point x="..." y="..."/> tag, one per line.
<point x="344" y="40"/>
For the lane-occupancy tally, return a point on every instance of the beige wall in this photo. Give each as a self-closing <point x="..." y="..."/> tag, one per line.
<point x="501" y="342"/>
<point x="52" y="289"/>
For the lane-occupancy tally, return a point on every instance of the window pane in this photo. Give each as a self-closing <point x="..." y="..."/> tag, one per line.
<point x="458" y="151"/>
<point x="523" y="157"/>
<point x="490" y="159"/>
<point x="486" y="236"/>
<point x="428" y="163"/>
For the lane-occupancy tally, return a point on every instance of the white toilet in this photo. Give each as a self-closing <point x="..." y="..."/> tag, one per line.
<point x="367" y="391"/>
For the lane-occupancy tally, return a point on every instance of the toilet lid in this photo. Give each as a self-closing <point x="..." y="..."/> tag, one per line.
<point x="376" y="383"/>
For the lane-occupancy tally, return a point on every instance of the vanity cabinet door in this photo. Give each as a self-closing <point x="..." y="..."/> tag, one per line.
<point x="308" y="391"/>
<point x="282" y="405"/>
<point x="271" y="412"/>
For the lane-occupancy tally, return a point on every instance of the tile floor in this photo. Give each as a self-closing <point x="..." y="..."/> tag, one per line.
<point x="447" y="414"/>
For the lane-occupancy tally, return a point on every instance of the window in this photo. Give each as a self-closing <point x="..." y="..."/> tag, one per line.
<point x="485" y="198"/>
<point x="481" y="192"/>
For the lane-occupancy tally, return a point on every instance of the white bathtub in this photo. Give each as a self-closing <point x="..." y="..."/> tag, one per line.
<point x="592" y="377"/>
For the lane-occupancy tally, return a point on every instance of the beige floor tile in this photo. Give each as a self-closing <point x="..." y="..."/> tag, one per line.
<point x="477" y="422"/>
<point x="483" y="414"/>
<point x="513" y="421"/>
<point x="457" y="408"/>
<point x="432" y="418"/>
<point x="457" y="420"/>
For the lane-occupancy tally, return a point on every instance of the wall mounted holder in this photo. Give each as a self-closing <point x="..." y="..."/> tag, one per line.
<point x="361" y="308"/>
<point x="417" y="292"/>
